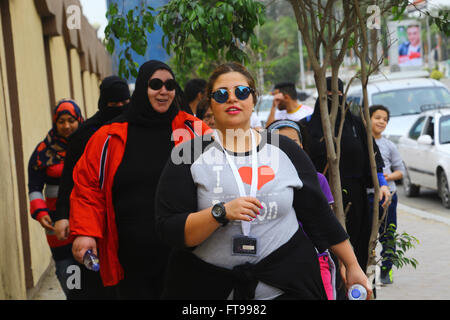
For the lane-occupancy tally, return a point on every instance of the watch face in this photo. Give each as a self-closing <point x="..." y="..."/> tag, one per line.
<point x="218" y="211"/>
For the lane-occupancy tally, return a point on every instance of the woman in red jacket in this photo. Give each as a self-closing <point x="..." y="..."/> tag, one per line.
<point x="112" y="202"/>
<point x="44" y="169"/>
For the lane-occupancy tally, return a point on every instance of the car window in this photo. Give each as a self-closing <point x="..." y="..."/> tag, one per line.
<point x="409" y="101"/>
<point x="429" y="130"/>
<point x="302" y="95"/>
<point x="444" y="129"/>
<point x="416" y="129"/>
<point x="264" y="104"/>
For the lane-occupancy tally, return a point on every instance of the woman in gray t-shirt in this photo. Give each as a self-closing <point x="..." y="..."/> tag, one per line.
<point x="231" y="217"/>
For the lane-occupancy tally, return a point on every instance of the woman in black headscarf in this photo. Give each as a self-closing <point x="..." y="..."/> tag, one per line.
<point x="112" y="202"/>
<point x="114" y="99"/>
<point x="354" y="167"/>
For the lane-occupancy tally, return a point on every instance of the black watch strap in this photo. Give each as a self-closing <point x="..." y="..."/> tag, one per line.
<point x="219" y="213"/>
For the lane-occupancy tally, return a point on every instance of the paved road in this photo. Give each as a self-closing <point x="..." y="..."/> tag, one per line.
<point x="428" y="201"/>
<point x="431" y="279"/>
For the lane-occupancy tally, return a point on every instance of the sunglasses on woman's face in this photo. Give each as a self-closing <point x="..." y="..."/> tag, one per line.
<point x="157" y="84"/>
<point x="241" y="92"/>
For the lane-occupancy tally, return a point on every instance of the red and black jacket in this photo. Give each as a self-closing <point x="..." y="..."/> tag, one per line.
<point x="91" y="204"/>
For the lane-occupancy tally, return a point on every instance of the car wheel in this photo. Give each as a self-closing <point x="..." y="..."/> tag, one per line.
<point x="411" y="190"/>
<point x="444" y="191"/>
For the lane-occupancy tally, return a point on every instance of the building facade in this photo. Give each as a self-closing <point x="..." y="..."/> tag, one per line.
<point x="48" y="51"/>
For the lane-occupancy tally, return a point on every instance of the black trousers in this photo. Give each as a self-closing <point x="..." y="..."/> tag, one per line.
<point x="359" y="219"/>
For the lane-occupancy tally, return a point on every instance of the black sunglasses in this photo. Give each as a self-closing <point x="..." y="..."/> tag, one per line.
<point x="157" y="84"/>
<point x="241" y="92"/>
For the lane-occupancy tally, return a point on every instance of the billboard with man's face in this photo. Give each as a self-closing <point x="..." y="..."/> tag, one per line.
<point x="410" y="51"/>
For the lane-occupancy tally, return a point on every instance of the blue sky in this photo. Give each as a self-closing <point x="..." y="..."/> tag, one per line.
<point x="94" y="11"/>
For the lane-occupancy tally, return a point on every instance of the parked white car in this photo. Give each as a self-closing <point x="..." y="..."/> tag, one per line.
<point x="402" y="93"/>
<point x="264" y="103"/>
<point x="263" y="107"/>
<point x="425" y="151"/>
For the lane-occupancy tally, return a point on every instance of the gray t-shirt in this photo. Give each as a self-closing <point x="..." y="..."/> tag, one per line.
<point x="277" y="221"/>
<point x="198" y="176"/>
<point x="391" y="158"/>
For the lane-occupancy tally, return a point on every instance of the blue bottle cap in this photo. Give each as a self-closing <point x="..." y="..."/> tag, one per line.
<point x="96" y="267"/>
<point x="356" y="293"/>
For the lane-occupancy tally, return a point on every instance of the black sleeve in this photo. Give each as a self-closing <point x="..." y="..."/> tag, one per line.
<point x="176" y="198"/>
<point x="36" y="176"/>
<point x="317" y="152"/>
<point x="74" y="152"/>
<point x="378" y="158"/>
<point x="311" y="206"/>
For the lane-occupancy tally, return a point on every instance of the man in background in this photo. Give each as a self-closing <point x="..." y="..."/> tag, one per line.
<point x="285" y="105"/>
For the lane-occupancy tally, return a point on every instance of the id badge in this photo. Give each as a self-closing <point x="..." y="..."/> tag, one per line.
<point x="243" y="245"/>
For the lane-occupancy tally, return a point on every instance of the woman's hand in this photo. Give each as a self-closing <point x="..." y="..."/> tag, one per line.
<point x="352" y="271"/>
<point x="81" y="244"/>
<point x="62" y="229"/>
<point x="200" y="225"/>
<point x="355" y="275"/>
<point x="243" y="208"/>
<point x="46" y="222"/>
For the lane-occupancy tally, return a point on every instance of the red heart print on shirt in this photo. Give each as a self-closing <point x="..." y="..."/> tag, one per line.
<point x="265" y="174"/>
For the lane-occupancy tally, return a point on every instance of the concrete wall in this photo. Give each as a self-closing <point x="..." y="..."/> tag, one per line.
<point x="60" y="67"/>
<point x="12" y="279"/>
<point x="95" y="94"/>
<point x="77" y="83"/>
<point x="41" y="61"/>
<point x="33" y="99"/>
<point x="88" y="92"/>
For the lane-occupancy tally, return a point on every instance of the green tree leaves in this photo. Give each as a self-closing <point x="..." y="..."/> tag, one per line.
<point x="221" y="27"/>
<point x="130" y="29"/>
<point x="402" y="242"/>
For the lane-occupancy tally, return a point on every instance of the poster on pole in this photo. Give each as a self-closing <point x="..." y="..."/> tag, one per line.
<point x="410" y="50"/>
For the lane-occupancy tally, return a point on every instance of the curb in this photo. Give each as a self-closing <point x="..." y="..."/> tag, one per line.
<point x="423" y="214"/>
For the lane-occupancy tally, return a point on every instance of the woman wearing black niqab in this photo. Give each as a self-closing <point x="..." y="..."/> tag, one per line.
<point x="354" y="169"/>
<point x="112" y="203"/>
<point x="114" y="99"/>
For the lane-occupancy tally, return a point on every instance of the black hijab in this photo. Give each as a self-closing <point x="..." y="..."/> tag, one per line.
<point x="315" y="123"/>
<point x="353" y="145"/>
<point x="112" y="89"/>
<point x="141" y="111"/>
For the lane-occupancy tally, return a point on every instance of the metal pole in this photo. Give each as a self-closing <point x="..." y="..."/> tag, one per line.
<point x="260" y="69"/>
<point x="429" y="45"/>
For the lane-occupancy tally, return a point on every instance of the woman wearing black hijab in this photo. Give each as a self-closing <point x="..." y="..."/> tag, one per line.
<point x="114" y="99"/>
<point x="112" y="202"/>
<point x="354" y="168"/>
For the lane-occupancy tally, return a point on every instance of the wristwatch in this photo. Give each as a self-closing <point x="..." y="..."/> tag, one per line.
<point x="219" y="213"/>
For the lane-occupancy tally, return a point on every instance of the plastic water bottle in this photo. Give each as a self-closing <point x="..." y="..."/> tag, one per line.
<point x="91" y="261"/>
<point x="357" y="292"/>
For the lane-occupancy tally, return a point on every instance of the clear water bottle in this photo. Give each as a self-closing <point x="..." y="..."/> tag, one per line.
<point x="91" y="261"/>
<point x="357" y="292"/>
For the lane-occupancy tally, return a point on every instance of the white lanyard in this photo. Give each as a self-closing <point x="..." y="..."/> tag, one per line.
<point x="245" y="224"/>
